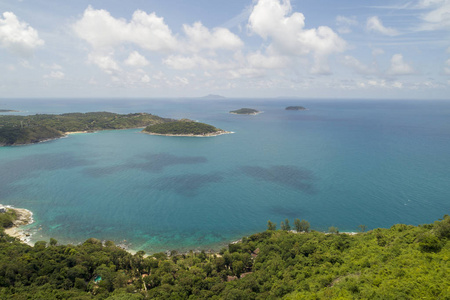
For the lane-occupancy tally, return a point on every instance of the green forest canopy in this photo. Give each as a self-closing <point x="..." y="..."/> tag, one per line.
<point x="402" y="262"/>
<point x="244" y="111"/>
<point x="15" y="130"/>
<point x="182" y="127"/>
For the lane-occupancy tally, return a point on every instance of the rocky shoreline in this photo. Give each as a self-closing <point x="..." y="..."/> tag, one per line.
<point x="24" y="217"/>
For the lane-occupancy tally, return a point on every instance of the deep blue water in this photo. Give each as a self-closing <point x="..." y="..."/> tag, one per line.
<point x="340" y="163"/>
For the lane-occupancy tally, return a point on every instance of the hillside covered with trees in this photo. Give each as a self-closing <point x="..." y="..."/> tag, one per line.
<point x="403" y="262"/>
<point x="245" y="111"/>
<point x="183" y="127"/>
<point x="18" y="130"/>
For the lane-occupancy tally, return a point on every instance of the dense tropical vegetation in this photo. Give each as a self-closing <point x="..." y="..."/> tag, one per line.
<point x="295" y="108"/>
<point x="183" y="127"/>
<point x="245" y="111"/>
<point x="403" y="262"/>
<point x="17" y="130"/>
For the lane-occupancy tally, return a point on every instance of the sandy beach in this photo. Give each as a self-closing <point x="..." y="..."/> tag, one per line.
<point x="75" y="132"/>
<point x="24" y="217"/>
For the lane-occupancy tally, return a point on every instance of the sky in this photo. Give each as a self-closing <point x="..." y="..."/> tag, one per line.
<point x="236" y="48"/>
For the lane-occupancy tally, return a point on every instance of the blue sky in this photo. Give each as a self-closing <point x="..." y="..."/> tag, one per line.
<point x="260" y="48"/>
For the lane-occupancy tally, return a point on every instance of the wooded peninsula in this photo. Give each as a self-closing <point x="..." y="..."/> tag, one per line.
<point x="402" y="262"/>
<point x="21" y="130"/>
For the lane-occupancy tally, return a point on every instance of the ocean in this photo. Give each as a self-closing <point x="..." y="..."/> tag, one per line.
<point x="340" y="163"/>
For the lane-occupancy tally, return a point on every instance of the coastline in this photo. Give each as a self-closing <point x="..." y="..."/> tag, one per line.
<point x="192" y="135"/>
<point x="24" y="217"/>
<point x="76" y="132"/>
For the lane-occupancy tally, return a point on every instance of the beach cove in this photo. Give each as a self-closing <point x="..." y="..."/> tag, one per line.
<point x="340" y="163"/>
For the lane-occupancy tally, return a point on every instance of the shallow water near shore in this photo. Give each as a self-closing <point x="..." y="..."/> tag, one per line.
<point x="339" y="163"/>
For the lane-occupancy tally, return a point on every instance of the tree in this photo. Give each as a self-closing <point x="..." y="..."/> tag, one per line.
<point x="287" y="226"/>
<point x="271" y="226"/>
<point x="301" y="225"/>
<point x="53" y="242"/>
<point x="362" y="227"/>
<point x="333" y="230"/>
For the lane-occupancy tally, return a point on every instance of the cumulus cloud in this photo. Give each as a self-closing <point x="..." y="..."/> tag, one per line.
<point x="105" y="62"/>
<point x="55" y="75"/>
<point x="274" y="20"/>
<point x="148" y="31"/>
<point x="136" y="60"/>
<point x="358" y="66"/>
<point x="374" y="24"/>
<point x="344" y="24"/>
<point x="399" y="67"/>
<point x="377" y="52"/>
<point x="18" y="37"/>
<point x="447" y="67"/>
<point x="199" y="37"/>
<point x="258" y="60"/>
<point x="180" y="62"/>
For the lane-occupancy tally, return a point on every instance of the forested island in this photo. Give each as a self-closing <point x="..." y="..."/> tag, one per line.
<point x="245" y="111"/>
<point x="21" y="130"/>
<point x="184" y="127"/>
<point x="402" y="262"/>
<point x="7" y="110"/>
<point x="295" y="108"/>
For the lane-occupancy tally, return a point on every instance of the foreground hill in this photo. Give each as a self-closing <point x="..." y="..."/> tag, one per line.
<point x="403" y="262"/>
<point x="19" y="130"/>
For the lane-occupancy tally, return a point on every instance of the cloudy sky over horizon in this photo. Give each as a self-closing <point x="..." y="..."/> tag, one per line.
<point x="260" y="48"/>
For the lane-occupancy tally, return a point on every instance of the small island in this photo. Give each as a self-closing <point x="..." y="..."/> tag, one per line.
<point x="245" y="111"/>
<point x="295" y="108"/>
<point x="7" y="110"/>
<point x="184" y="127"/>
<point x="213" y="97"/>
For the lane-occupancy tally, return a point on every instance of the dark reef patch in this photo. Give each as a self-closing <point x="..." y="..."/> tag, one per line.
<point x="13" y="171"/>
<point x="290" y="176"/>
<point x="186" y="185"/>
<point x="148" y="163"/>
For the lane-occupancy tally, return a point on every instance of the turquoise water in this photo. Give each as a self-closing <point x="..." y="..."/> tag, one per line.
<point x="340" y="163"/>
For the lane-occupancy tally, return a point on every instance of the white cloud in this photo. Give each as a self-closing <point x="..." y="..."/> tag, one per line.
<point x="18" y="37"/>
<point x="55" y="75"/>
<point x="377" y="52"/>
<point x="145" y="79"/>
<point x="438" y="17"/>
<point x="136" y="60"/>
<point x="358" y="66"/>
<point x="148" y="31"/>
<point x="273" y="20"/>
<point x="447" y="67"/>
<point x="180" y="62"/>
<point x="200" y="37"/>
<point x="258" y="60"/>
<point x="399" y="67"/>
<point x="375" y="24"/>
<point x="105" y="62"/>
<point x="344" y="24"/>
